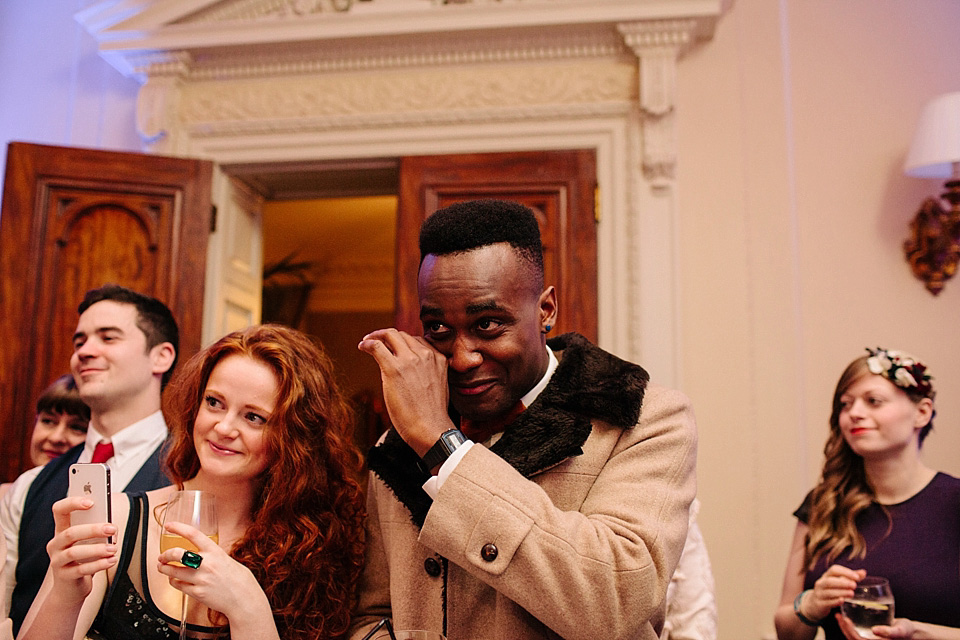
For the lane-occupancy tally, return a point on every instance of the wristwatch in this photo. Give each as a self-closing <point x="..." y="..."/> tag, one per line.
<point x="449" y="442"/>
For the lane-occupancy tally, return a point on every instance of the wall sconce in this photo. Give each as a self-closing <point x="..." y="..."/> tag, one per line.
<point x="933" y="248"/>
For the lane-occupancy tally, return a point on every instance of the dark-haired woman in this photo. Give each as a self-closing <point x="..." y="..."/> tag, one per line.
<point x="257" y="420"/>
<point x="878" y="510"/>
<point x="61" y="424"/>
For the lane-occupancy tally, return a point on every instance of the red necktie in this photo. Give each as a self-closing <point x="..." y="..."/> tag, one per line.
<point x="483" y="431"/>
<point x="102" y="452"/>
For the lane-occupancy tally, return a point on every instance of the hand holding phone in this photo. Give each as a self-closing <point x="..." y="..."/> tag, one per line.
<point x="92" y="481"/>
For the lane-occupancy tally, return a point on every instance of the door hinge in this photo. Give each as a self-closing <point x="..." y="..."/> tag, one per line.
<point x="213" y="218"/>
<point x="596" y="204"/>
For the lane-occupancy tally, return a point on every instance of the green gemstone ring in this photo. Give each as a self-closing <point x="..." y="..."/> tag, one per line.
<point x="191" y="559"/>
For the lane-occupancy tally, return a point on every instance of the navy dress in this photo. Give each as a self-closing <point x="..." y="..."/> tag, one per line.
<point x="920" y="555"/>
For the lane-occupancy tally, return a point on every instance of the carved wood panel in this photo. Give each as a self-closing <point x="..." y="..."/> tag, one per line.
<point x="558" y="185"/>
<point x="74" y="219"/>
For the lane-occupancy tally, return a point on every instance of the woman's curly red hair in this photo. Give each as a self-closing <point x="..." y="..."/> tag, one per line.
<point x="305" y="545"/>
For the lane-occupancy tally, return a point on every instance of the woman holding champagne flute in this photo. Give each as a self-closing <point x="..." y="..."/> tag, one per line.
<point x="878" y="511"/>
<point x="258" y="423"/>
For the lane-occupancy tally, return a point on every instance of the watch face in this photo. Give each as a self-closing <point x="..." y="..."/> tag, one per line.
<point x="452" y="440"/>
<point x="448" y="442"/>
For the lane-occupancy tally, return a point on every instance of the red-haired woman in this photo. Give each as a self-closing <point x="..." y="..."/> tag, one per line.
<point x="878" y="510"/>
<point x="258" y="421"/>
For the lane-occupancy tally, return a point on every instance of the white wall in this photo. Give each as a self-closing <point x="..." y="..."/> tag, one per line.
<point x="55" y="88"/>
<point x="793" y="124"/>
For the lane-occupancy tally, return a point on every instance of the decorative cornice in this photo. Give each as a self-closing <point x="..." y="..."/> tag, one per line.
<point x="309" y="124"/>
<point x="176" y="63"/>
<point x="446" y="51"/>
<point x="257" y="9"/>
<point x="238" y="67"/>
<point x="677" y="35"/>
<point x="243" y="30"/>
<point x="658" y="44"/>
<point x="370" y="55"/>
<point x="410" y="98"/>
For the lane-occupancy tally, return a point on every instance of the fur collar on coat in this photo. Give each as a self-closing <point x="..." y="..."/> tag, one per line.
<point x="588" y="384"/>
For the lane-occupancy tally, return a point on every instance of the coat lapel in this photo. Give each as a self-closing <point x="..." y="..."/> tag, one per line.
<point x="589" y="384"/>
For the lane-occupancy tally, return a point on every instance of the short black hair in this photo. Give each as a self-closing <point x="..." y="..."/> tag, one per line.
<point x="153" y="318"/>
<point x="62" y="396"/>
<point x="477" y="223"/>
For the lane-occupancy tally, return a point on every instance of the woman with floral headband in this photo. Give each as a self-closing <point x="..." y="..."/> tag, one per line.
<point x="878" y="510"/>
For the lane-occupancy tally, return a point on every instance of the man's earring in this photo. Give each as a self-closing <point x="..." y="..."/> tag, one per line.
<point x="547" y="328"/>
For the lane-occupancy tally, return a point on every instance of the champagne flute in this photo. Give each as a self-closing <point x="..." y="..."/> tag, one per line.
<point x="384" y="631"/>
<point x="199" y="510"/>
<point x="871" y="605"/>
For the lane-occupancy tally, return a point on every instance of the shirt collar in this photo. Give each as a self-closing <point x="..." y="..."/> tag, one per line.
<point x="531" y="395"/>
<point x="145" y="431"/>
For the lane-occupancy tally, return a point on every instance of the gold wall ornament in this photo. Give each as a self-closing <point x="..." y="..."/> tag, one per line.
<point x="933" y="248"/>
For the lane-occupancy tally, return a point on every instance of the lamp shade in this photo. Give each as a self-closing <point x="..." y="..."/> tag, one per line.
<point x="936" y="143"/>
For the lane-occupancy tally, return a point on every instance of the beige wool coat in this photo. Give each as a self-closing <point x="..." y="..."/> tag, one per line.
<point x="569" y="526"/>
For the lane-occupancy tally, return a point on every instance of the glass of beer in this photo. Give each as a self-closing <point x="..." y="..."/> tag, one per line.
<point x="871" y="605"/>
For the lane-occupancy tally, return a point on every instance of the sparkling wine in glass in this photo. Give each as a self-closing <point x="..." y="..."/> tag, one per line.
<point x="871" y="604"/>
<point x="199" y="510"/>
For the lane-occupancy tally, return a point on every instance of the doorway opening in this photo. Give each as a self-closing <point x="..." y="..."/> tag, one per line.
<point x="340" y="243"/>
<point x="329" y="256"/>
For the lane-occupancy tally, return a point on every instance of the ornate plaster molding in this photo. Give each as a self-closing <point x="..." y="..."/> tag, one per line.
<point x="248" y="81"/>
<point x="658" y="45"/>
<point x="159" y="98"/>
<point x="310" y="124"/>
<point x="257" y="9"/>
<point x="445" y="52"/>
<point x="320" y="57"/>
<point x="245" y="30"/>
<point x="413" y="97"/>
<point x="176" y="46"/>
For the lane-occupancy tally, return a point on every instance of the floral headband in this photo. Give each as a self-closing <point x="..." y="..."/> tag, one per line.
<point x="901" y="369"/>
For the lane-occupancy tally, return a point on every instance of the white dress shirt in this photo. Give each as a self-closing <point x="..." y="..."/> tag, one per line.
<point x="6" y="626"/>
<point x="11" y="511"/>
<point x="433" y="484"/>
<point x="132" y="447"/>
<point x="691" y="599"/>
<point x="691" y="603"/>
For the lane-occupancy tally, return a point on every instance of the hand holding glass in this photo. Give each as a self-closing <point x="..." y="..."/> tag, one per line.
<point x="871" y="605"/>
<point x="384" y="631"/>
<point x="199" y="510"/>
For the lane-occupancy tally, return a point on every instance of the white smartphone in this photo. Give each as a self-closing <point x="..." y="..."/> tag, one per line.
<point x="91" y="480"/>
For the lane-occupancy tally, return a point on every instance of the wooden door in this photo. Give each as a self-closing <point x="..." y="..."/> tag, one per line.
<point x="74" y="219"/>
<point x="559" y="186"/>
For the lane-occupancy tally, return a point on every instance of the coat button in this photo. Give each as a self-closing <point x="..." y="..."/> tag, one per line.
<point x="432" y="567"/>
<point x="489" y="552"/>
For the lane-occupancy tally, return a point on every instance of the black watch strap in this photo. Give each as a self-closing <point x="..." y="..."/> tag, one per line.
<point x="448" y="442"/>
